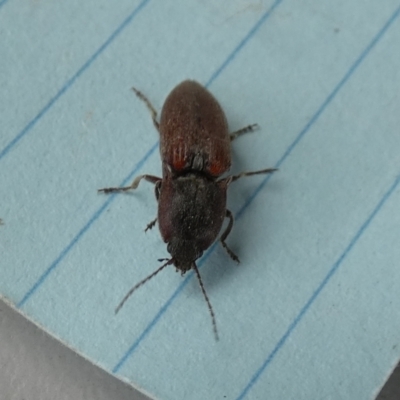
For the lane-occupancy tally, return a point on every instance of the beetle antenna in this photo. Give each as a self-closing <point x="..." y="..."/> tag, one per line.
<point x="129" y="294"/>
<point x="214" y="323"/>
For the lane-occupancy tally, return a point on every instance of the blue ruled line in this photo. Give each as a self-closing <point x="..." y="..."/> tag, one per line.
<point x="3" y="2"/>
<point x="319" y="289"/>
<point x="71" y="81"/>
<point x="339" y="261"/>
<point x="239" y="47"/>
<point x="76" y="239"/>
<point x="288" y="151"/>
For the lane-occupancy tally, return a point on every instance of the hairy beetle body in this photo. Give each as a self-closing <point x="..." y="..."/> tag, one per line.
<point x="195" y="152"/>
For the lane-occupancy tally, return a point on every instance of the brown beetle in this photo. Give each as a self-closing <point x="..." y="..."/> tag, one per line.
<point x="195" y="151"/>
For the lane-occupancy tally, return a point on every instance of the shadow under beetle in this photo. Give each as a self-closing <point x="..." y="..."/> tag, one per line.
<point x="195" y="151"/>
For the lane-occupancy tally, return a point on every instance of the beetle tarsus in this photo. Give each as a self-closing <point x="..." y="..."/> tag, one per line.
<point x="150" y="225"/>
<point x="246" y="129"/>
<point x="108" y="190"/>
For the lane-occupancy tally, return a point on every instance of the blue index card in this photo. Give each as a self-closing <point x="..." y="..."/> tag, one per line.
<point x="312" y="310"/>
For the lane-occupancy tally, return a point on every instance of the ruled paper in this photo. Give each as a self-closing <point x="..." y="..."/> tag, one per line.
<point x="312" y="310"/>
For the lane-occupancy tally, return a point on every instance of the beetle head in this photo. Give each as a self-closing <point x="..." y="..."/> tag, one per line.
<point x="184" y="253"/>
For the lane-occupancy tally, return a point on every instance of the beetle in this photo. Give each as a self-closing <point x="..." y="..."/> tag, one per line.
<point x="195" y="149"/>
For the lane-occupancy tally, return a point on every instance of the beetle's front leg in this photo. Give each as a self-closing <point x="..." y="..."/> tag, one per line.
<point x="133" y="185"/>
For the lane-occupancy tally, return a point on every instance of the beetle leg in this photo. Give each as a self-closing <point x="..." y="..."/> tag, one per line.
<point x="152" y="110"/>
<point x="150" y="225"/>
<point x="134" y="184"/>
<point x="246" y="129"/>
<point x="157" y="189"/>
<point x="262" y="171"/>
<point x="228" y="214"/>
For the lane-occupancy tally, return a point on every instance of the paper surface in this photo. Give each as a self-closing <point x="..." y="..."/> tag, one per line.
<point x="312" y="310"/>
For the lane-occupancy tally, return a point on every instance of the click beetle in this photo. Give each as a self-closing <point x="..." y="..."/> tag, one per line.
<point x="195" y="149"/>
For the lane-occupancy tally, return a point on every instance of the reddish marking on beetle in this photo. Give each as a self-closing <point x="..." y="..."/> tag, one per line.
<point x="179" y="162"/>
<point x="195" y="151"/>
<point x="215" y="169"/>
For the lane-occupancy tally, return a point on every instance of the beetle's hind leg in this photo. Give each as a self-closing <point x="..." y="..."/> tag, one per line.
<point x="152" y="110"/>
<point x="133" y="185"/>
<point x="227" y="231"/>
<point x="246" y="129"/>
